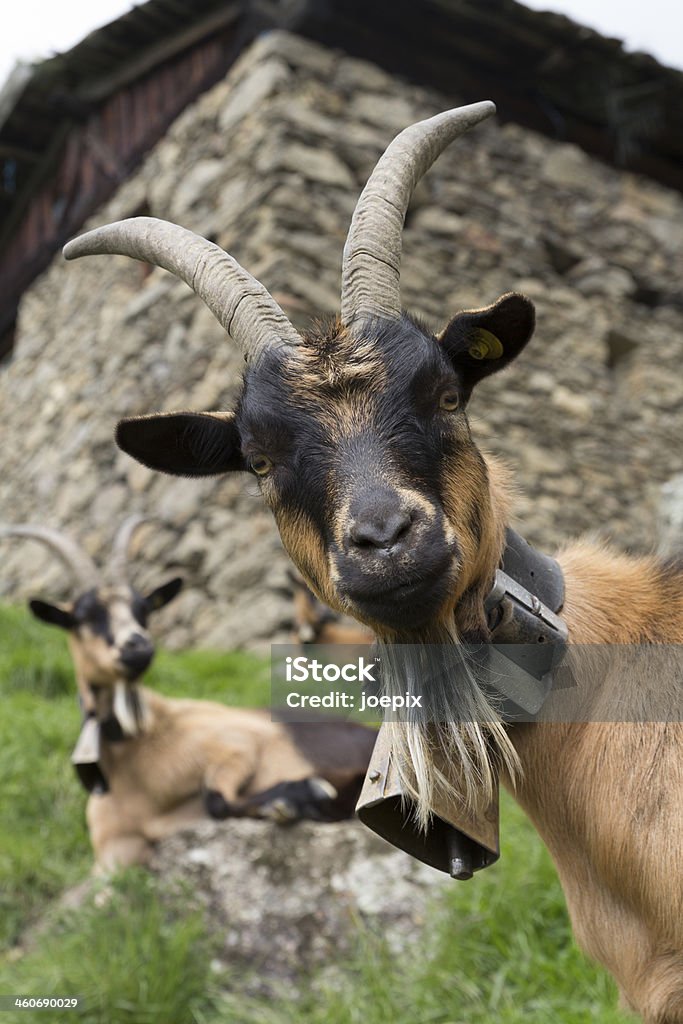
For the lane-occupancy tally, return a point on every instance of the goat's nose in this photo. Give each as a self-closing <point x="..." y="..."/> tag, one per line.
<point x="379" y="523"/>
<point x="135" y="643"/>
<point x="136" y="653"/>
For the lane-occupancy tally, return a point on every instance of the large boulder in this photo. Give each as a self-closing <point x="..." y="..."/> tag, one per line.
<point x="286" y="901"/>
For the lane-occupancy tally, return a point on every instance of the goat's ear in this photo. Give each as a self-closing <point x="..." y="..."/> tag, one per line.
<point x="163" y="595"/>
<point x="52" y="614"/>
<point x="183" y="443"/>
<point x="482" y="341"/>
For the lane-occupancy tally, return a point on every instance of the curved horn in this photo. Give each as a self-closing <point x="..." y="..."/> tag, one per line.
<point x="74" y="557"/>
<point x="249" y="314"/>
<point x="117" y="566"/>
<point x="371" y="263"/>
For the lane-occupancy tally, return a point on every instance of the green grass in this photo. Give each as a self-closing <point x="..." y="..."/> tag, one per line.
<point x="132" y="960"/>
<point x="498" y="949"/>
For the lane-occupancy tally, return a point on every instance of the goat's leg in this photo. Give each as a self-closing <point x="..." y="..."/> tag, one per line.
<point x="159" y="826"/>
<point x="122" y="851"/>
<point x="116" y="839"/>
<point x="224" y="780"/>
<point x="313" y="799"/>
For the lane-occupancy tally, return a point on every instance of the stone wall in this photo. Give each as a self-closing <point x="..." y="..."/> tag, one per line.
<point x="269" y="164"/>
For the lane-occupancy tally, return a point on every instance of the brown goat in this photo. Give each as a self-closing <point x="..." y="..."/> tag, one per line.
<point x="155" y="764"/>
<point x="317" y="623"/>
<point x="359" y="438"/>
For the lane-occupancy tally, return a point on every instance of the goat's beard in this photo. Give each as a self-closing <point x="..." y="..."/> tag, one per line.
<point x="129" y="709"/>
<point x="456" y="752"/>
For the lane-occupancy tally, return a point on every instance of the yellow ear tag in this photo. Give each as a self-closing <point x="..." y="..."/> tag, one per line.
<point x="485" y="345"/>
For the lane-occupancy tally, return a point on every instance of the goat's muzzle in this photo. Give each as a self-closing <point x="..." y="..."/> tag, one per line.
<point x="397" y="566"/>
<point x="136" y="656"/>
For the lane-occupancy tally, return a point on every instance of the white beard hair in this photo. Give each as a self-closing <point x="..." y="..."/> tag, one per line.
<point x="464" y="733"/>
<point x="129" y="710"/>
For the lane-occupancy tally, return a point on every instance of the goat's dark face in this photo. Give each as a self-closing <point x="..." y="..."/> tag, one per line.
<point x="347" y="440"/>
<point x="363" y="452"/>
<point x="108" y="632"/>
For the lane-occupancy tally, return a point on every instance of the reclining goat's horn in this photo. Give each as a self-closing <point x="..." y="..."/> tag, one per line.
<point x="371" y="263"/>
<point x="74" y="557"/>
<point x="249" y="314"/>
<point x="118" y="561"/>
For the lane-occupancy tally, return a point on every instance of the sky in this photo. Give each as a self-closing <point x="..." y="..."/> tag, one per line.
<point x="39" y="28"/>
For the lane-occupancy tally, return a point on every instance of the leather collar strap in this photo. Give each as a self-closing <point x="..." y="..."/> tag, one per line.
<point x="540" y="574"/>
<point x="528" y="638"/>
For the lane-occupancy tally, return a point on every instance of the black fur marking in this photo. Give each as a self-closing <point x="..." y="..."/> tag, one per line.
<point x="163" y="595"/>
<point x="183" y="444"/>
<point x="140" y="609"/>
<point x="111" y="730"/>
<point x="474" y="523"/>
<point x="52" y="614"/>
<point x="301" y="800"/>
<point x="90" y="611"/>
<point x="511" y="319"/>
<point x="217" y="806"/>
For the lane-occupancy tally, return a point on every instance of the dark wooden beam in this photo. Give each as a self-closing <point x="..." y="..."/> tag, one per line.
<point x="99" y="88"/>
<point x="9" y="152"/>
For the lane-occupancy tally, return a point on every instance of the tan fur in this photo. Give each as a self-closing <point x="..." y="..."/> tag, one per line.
<point x="331" y="358"/>
<point x="310" y="627"/>
<point x="305" y="546"/>
<point x="483" y="486"/>
<point x="157" y="778"/>
<point x="606" y="796"/>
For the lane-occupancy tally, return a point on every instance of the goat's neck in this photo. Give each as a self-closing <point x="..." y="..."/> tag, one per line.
<point x="485" y="556"/>
<point x="612" y="598"/>
<point x="133" y="706"/>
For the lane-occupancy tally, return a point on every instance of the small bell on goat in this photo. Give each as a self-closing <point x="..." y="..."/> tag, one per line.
<point x="86" y="757"/>
<point x="455" y="841"/>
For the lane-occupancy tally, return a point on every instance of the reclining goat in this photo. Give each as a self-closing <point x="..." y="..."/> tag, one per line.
<point x="359" y="438"/>
<point x="154" y="764"/>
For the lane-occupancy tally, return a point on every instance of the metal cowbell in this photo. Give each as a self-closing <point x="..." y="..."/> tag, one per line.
<point x="456" y="841"/>
<point x="86" y="757"/>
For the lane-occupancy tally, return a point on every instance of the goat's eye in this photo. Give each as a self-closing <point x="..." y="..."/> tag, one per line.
<point x="261" y="464"/>
<point x="449" y="401"/>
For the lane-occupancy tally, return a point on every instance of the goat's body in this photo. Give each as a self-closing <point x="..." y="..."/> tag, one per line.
<point x="188" y="747"/>
<point x="605" y="795"/>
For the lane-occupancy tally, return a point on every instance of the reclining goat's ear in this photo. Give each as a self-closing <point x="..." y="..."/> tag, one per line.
<point x="52" y="614"/>
<point x="163" y="595"/>
<point x="482" y="341"/>
<point x="183" y="443"/>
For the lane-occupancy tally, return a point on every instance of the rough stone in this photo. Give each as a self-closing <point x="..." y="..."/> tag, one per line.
<point x="288" y="901"/>
<point x="271" y="162"/>
<point x="671" y="517"/>
<point x="568" y="166"/>
<point x="261" y="81"/>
